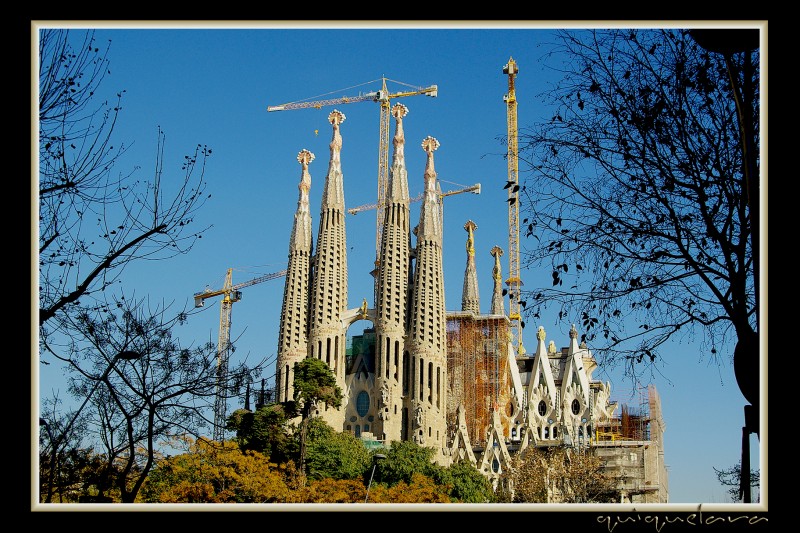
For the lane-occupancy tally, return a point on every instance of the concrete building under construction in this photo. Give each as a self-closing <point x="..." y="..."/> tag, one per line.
<point x="450" y="380"/>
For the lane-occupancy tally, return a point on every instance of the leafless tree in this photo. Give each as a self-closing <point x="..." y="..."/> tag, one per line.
<point x="145" y="387"/>
<point x="635" y="195"/>
<point x="94" y="219"/>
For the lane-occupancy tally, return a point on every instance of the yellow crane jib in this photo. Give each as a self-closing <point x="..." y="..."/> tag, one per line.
<point x="232" y="292"/>
<point x="383" y="96"/>
<point x="474" y="189"/>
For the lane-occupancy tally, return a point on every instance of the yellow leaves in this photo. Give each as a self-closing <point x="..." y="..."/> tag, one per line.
<point x="214" y="473"/>
<point x="333" y="491"/>
<point x="422" y="489"/>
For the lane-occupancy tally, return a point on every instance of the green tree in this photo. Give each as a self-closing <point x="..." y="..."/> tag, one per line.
<point x="314" y="383"/>
<point x="403" y="460"/>
<point x="336" y="455"/>
<point x="266" y="430"/>
<point x="466" y="484"/>
<point x="636" y="198"/>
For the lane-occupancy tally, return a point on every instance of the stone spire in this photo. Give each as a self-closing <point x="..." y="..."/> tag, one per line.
<point x="470" y="299"/>
<point x="542" y="418"/>
<point x="292" y="335"/>
<point x="575" y="390"/>
<point x="430" y="220"/>
<point x="392" y="292"/>
<point x="397" y="188"/>
<point x="426" y="337"/>
<point x="329" y="280"/>
<point x="498" y="308"/>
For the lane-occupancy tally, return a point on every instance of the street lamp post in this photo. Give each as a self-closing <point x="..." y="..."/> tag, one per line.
<point x="126" y="355"/>
<point x="375" y="458"/>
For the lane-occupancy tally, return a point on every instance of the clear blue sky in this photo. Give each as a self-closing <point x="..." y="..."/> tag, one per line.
<point x="212" y="85"/>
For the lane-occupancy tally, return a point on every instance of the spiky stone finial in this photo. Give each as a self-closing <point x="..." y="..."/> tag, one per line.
<point x="399" y="111"/>
<point x="573" y="332"/>
<point x="304" y="157"/>
<point x="336" y="117"/>
<point x="430" y="144"/>
<point x="540" y="334"/>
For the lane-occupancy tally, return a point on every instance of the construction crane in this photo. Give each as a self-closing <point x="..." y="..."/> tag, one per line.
<point x="475" y="189"/>
<point x="383" y="97"/>
<point x="514" y="281"/>
<point x="230" y="293"/>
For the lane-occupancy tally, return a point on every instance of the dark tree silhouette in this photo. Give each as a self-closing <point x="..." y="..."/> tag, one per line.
<point x="94" y="220"/>
<point x="144" y="387"/>
<point x="731" y="478"/>
<point x="635" y="195"/>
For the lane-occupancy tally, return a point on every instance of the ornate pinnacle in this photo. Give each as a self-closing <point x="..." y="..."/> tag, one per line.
<point x="470" y="226"/>
<point x="573" y="333"/>
<point x="399" y="111"/>
<point x="430" y="145"/>
<point x="540" y="334"/>
<point x="305" y="158"/>
<point x="336" y="117"/>
<point x="496" y="253"/>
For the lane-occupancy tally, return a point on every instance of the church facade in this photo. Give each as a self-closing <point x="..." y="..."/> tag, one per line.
<point x="449" y="380"/>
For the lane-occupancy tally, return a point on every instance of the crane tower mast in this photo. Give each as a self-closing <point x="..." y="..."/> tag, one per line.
<point x="230" y="293"/>
<point x="514" y="280"/>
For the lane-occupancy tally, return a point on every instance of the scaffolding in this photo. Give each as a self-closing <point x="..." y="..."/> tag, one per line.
<point x="478" y="373"/>
<point x="631" y="449"/>
<point x="634" y="422"/>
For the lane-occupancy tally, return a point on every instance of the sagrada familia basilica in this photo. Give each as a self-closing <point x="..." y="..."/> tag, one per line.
<point x="449" y="380"/>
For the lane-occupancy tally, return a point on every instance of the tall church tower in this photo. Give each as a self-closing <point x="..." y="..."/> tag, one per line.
<point x="326" y="336"/>
<point x="427" y="335"/>
<point x="292" y="335"/>
<point x="393" y="274"/>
